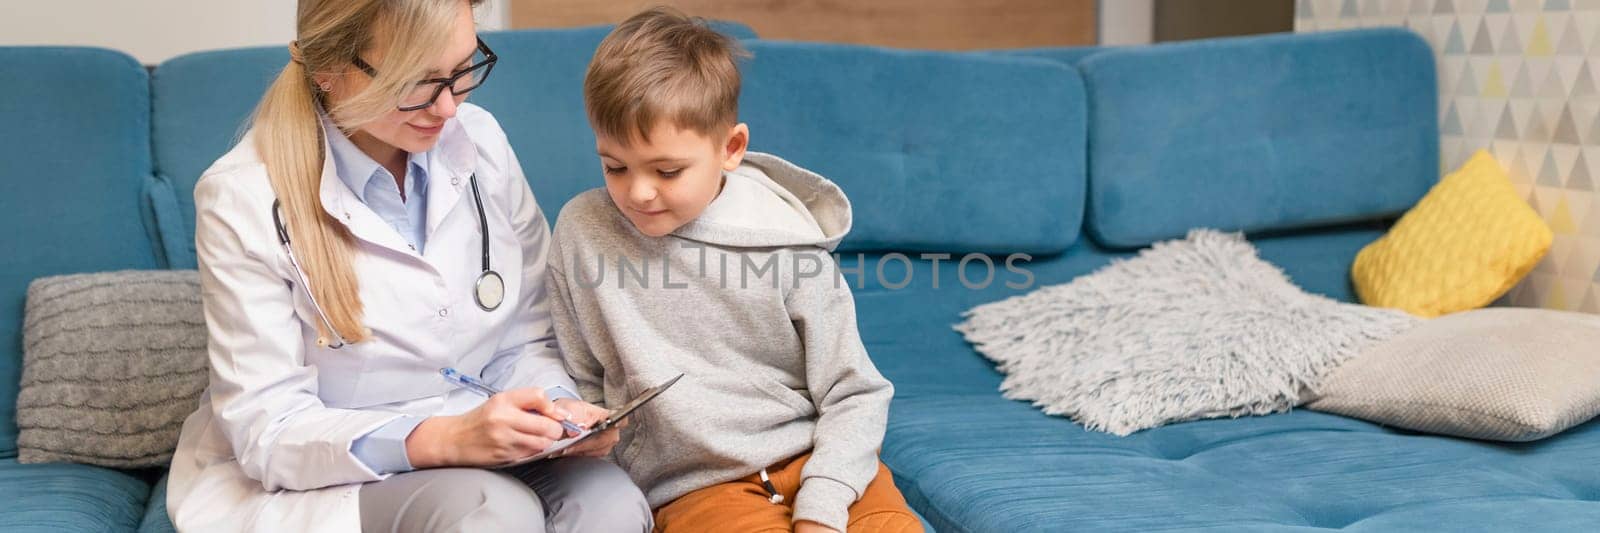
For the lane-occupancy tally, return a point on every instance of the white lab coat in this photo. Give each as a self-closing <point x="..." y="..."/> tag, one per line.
<point x="269" y="447"/>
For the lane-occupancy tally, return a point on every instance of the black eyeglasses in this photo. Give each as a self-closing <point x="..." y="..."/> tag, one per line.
<point x="425" y="92"/>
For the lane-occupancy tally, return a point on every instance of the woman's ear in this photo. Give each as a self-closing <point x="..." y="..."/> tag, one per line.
<point x="323" y="81"/>
<point x="733" y="150"/>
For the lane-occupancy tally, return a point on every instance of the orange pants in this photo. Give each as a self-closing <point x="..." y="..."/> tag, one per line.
<point x="742" y="506"/>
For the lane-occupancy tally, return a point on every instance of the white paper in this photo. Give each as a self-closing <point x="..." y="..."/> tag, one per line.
<point x="553" y="449"/>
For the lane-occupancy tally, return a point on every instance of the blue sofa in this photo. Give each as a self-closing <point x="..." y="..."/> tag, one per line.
<point x="1076" y="157"/>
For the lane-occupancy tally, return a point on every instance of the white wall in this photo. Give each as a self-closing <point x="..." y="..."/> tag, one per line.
<point x="1124" y="22"/>
<point x="155" y="30"/>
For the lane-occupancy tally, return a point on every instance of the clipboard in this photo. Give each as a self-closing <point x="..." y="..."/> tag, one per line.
<point x="621" y="413"/>
<point x="616" y="417"/>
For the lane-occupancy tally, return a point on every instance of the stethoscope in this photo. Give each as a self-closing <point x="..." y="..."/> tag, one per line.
<point x="488" y="291"/>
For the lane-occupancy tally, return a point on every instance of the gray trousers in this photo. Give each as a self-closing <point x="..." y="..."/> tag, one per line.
<point x="576" y="494"/>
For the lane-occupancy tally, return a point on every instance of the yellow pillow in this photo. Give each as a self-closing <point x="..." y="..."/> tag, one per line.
<point x="1468" y="241"/>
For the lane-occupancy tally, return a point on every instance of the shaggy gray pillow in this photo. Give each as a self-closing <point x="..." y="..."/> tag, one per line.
<point x="112" y="364"/>
<point x="1495" y="374"/>
<point x="1190" y="329"/>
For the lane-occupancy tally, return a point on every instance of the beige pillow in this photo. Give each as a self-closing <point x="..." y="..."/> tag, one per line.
<point x="1496" y="374"/>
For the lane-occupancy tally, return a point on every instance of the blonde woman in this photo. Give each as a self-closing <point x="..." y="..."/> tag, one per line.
<point x="370" y="230"/>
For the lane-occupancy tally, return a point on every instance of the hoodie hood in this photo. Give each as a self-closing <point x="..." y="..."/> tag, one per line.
<point x="770" y="202"/>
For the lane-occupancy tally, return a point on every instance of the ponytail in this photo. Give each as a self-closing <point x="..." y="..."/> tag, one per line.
<point x="288" y="135"/>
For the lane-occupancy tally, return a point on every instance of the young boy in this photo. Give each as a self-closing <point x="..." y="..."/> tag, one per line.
<point x="698" y="258"/>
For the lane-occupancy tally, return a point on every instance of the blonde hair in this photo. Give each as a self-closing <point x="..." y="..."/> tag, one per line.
<point x="288" y="130"/>
<point x="662" y="65"/>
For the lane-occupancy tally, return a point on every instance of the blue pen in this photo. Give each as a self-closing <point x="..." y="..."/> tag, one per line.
<point x="475" y="385"/>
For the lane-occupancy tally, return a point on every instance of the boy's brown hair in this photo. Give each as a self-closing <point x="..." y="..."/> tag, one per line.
<point x="662" y="65"/>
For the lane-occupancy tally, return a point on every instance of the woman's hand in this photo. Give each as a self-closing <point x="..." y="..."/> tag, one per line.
<point x="587" y="415"/>
<point x="500" y="430"/>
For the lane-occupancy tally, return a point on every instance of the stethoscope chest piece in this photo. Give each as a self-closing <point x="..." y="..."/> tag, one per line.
<point x="489" y="291"/>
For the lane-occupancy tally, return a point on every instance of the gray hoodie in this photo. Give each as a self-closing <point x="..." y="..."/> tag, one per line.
<point x="745" y="301"/>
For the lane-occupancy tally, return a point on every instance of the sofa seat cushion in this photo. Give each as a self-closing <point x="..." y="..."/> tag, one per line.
<point x="978" y="462"/>
<point x="970" y="460"/>
<point x="155" y="511"/>
<point x="69" y="497"/>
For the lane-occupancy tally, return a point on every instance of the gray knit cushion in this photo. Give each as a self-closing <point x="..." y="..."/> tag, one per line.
<point x="1497" y="374"/>
<point x="112" y="363"/>
<point x="1194" y="328"/>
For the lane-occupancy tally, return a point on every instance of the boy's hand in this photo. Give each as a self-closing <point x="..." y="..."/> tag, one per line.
<point x="587" y="415"/>
<point x="583" y="413"/>
<point x="807" y="526"/>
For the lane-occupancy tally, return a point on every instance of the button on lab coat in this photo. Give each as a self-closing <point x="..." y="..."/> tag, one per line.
<point x="268" y="448"/>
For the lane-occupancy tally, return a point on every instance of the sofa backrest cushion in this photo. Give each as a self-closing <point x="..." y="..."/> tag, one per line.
<point x="1069" y="55"/>
<point x="77" y="166"/>
<point x="202" y="103"/>
<point x="1259" y="133"/>
<point x="938" y="151"/>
